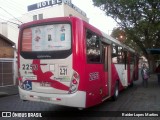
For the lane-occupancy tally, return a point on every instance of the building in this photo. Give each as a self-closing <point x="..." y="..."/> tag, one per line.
<point x="7" y="62"/>
<point x="42" y="10"/>
<point x="53" y="8"/>
<point x="7" y="47"/>
<point x="9" y="32"/>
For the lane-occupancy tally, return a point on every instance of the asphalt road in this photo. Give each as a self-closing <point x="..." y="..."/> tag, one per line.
<point x="132" y="99"/>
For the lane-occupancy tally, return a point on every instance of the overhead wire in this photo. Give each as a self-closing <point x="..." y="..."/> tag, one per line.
<point x="10" y="24"/>
<point x="11" y="14"/>
<point x="9" y="21"/>
<point x="14" y="3"/>
<point x="12" y="6"/>
<point x="13" y="9"/>
<point x="4" y="16"/>
<point x="20" y="9"/>
<point x="17" y="4"/>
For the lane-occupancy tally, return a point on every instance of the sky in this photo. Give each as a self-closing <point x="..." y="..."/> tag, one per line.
<point x="96" y="16"/>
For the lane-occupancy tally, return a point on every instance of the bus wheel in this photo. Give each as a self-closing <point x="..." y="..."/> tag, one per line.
<point x="131" y="85"/>
<point x="116" y="92"/>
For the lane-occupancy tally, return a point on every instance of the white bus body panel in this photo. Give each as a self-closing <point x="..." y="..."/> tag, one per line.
<point x="122" y="73"/>
<point x="77" y="99"/>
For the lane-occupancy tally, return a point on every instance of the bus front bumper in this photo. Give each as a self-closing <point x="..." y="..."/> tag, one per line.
<point x="77" y="99"/>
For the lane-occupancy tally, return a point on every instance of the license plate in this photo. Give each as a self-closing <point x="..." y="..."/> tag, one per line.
<point x="45" y="84"/>
<point x="44" y="98"/>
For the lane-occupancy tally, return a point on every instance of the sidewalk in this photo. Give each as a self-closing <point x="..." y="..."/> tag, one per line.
<point x="146" y="99"/>
<point x="8" y="90"/>
<point x="152" y="82"/>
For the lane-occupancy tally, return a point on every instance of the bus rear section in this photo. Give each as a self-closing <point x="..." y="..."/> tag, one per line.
<point x="66" y="61"/>
<point x="45" y="63"/>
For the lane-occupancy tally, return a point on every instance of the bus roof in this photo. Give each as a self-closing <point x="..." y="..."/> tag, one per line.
<point x="108" y="39"/>
<point x="113" y="40"/>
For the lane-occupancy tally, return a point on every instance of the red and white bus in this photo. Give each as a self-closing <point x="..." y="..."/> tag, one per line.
<point x="67" y="61"/>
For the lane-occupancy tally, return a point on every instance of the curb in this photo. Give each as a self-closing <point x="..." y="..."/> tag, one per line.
<point x="3" y="94"/>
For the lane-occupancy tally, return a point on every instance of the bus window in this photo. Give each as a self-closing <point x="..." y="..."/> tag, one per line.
<point x="132" y="58"/>
<point x="50" y="41"/>
<point x="125" y="59"/>
<point x="93" y="47"/>
<point x="114" y="53"/>
<point x="55" y="37"/>
<point x="118" y="54"/>
<point x="105" y="55"/>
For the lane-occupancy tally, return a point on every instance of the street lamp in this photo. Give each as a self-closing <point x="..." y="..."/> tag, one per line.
<point x="121" y="36"/>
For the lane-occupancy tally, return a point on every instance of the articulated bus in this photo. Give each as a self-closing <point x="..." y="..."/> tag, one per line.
<point x="66" y="61"/>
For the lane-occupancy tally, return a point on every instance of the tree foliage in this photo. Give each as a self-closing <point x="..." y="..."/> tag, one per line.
<point x="120" y="34"/>
<point x="139" y="18"/>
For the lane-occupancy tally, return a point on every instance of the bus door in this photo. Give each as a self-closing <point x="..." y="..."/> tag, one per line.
<point x="125" y="71"/>
<point x="131" y="65"/>
<point x="106" y="51"/>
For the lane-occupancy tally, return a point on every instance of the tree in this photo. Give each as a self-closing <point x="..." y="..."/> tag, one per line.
<point x="139" y="18"/>
<point x="120" y="34"/>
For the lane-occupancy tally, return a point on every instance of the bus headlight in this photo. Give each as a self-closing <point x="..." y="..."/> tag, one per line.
<point x="74" y="82"/>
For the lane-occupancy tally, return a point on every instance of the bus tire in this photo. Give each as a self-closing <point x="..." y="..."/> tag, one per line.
<point x="116" y="92"/>
<point x="131" y="85"/>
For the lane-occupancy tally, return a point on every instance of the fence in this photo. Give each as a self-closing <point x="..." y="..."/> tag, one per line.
<point x="8" y="71"/>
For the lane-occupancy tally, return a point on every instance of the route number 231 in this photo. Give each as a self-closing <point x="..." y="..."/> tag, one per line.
<point x="63" y="71"/>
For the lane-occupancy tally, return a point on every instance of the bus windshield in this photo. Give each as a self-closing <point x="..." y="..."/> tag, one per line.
<point x="54" y="37"/>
